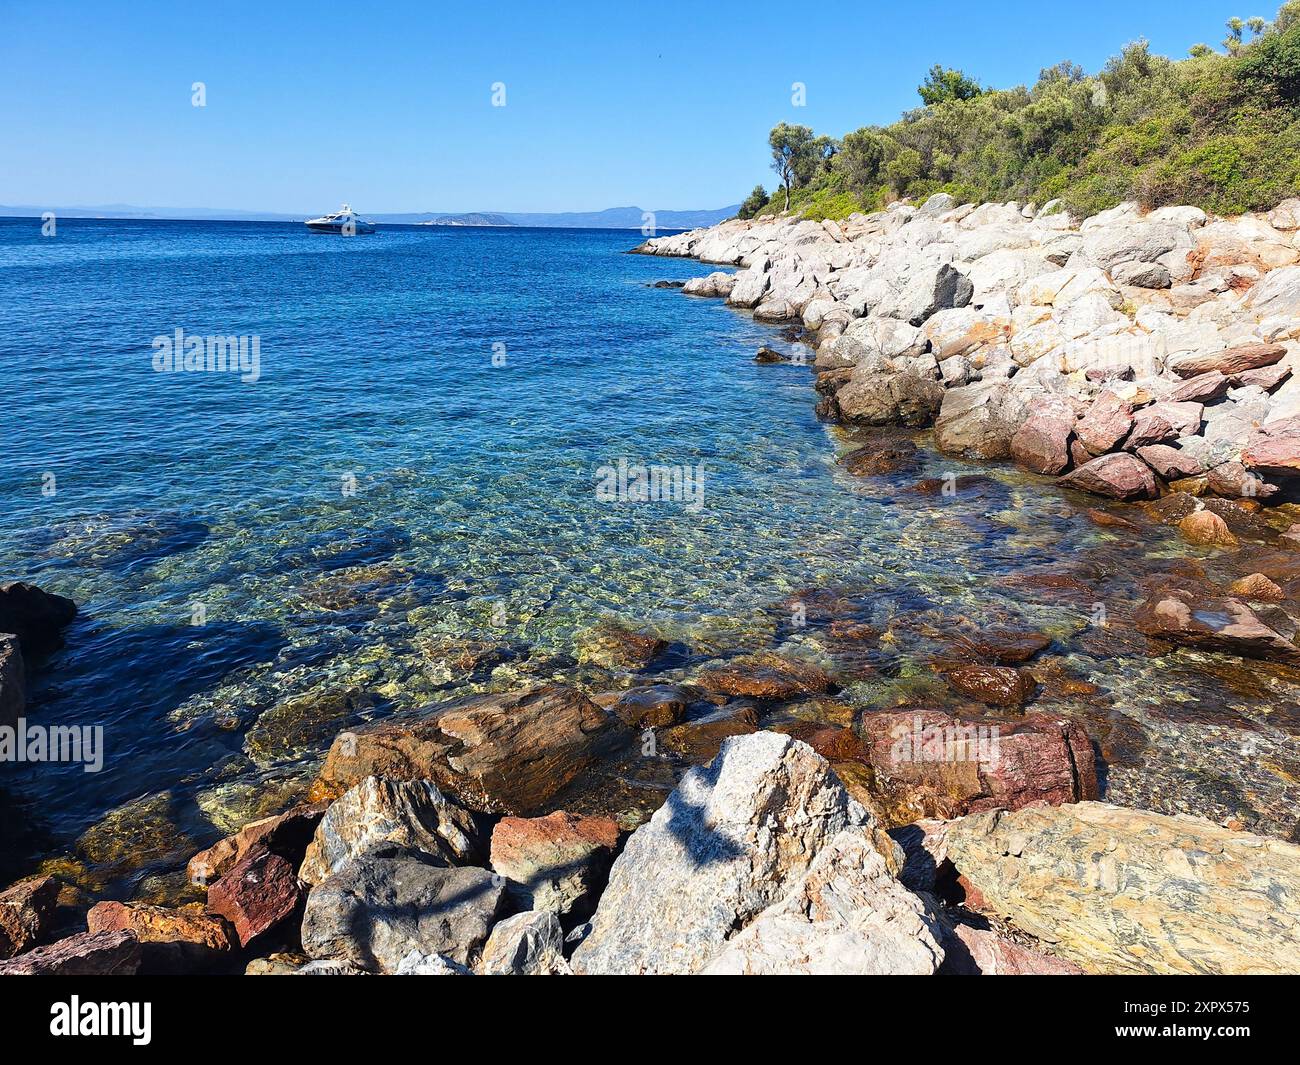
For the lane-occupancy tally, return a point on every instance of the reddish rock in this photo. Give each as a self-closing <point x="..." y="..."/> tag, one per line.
<point x="1149" y="427"/>
<point x="1212" y="623"/>
<point x="1185" y="418"/>
<point x="1273" y="456"/>
<point x="857" y="631"/>
<point x="1203" y="388"/>
<point x="1232" y="480"/>
<point x="1170" y="462"/>
<point x="171" y="941"/>
<point x="1042" y="443"/>
<point x="982" y="952"/>
<point x="1107" y="422"/>
<point x="86" y="954"/>
<point x="557" y="863"/>
<point x="994" y="685"/>
<point x="1078" y="453"/>
<point x="286" y="834"/>
<point x="1266" y="377"/>
<point x="927" y="763"/>
<point x="25" y="912"/>
<point x="1257" y="587"/>
<point x="654" y="705"/>
<point x="507" y="753"/>
<point x="256" y="894"/>
<point x="1230" y="361"/>
<point x="1117" y="476"/>
<point x="766" y="675"/>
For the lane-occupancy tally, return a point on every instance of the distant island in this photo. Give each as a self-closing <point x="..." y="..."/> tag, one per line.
<point x="612" y="218"/>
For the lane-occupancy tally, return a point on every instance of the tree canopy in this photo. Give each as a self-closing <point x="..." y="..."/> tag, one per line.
<point x="1220" y="129"/>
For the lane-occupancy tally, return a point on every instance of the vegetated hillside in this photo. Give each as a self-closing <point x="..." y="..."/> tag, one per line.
<point x="1220" y="129"/>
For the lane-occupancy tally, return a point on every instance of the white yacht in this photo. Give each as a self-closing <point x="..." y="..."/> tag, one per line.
<point x="344" y="221"/>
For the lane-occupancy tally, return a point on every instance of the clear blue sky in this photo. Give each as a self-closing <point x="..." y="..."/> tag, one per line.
<point x="659" y="104"/>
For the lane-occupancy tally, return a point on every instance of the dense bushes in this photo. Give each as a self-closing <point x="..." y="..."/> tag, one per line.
<point x="1220" y="130"/>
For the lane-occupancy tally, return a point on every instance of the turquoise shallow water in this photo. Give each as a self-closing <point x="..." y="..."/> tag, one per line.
<point x="385" y="486"/>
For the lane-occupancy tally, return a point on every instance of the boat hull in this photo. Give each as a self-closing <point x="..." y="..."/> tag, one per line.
<point x="337" y="228"/>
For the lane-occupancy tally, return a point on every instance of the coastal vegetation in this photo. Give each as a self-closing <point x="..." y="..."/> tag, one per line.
<point x="1219" y="129"/>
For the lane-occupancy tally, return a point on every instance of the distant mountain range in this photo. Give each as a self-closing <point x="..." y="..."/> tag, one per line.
<point x="613" y="218"/>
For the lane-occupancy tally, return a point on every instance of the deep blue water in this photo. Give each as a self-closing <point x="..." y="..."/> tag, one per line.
<point x="184" y="497"/>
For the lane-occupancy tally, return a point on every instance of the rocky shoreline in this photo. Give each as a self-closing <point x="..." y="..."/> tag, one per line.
<point x="1143" y="359"/>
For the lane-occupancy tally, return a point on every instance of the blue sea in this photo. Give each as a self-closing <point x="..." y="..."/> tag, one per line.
<point x="417" y="466"/>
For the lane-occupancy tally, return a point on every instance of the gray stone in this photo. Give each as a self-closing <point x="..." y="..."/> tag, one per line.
<point x="846" y="915"/>
<point x="386" y="903"/>
<point x="406" y="813"/>
<point x="527" y="944"/>
<point x="729" y="842"/>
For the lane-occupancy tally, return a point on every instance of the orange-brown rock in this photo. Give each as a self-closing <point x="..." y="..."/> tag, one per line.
<point x="766" y="675"/>
<point x="699" y="740"/>
<point x="171" y="941"/>
<point x="25" y="912"/>
<point x="1206" y="528"/>
<point x="654" y="705"/>
<point x="287" y="834"/>
<point x="1258" y="587"/>
<point x="506" y="753"/>
<point x="994" y="685"/>
<point x="1229" y="361"/>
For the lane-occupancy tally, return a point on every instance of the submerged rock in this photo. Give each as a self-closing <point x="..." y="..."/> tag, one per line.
<point x="614" y="646"/>
<point x="700" y="739"/>
<point x="655" y="705"/>
<point x="1127" y="891"/>
<point x="765" y="675"/>
<point x="1216" y="624"/>
<point x="35" y="616"/>
<point x="994" y="685"/>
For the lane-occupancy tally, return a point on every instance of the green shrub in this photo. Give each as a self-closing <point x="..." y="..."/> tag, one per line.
<point x="1221" y="131"/>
